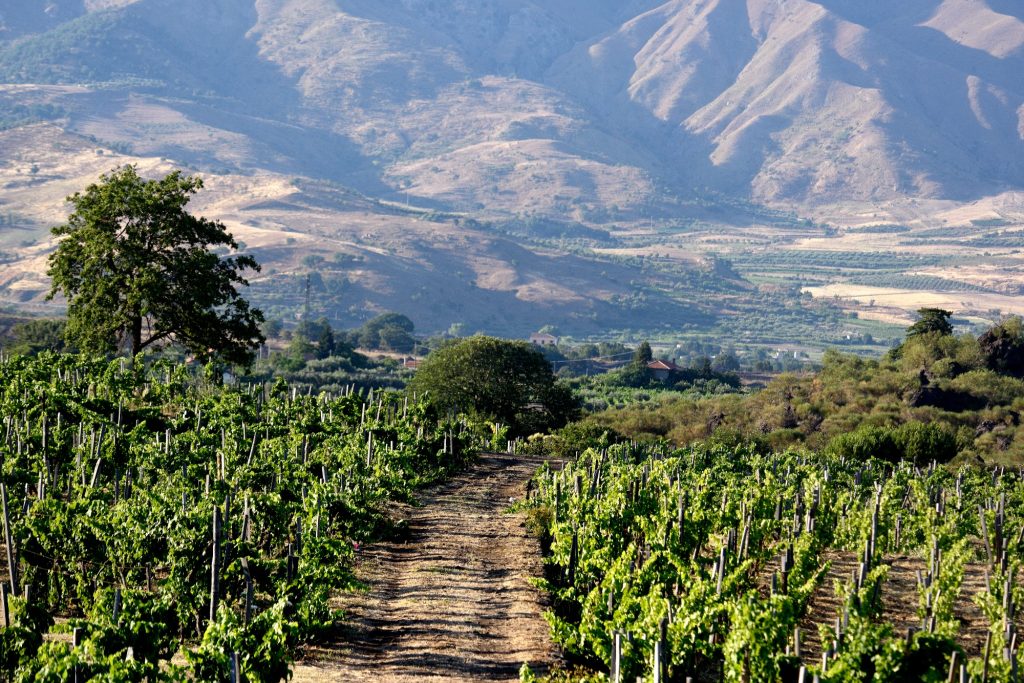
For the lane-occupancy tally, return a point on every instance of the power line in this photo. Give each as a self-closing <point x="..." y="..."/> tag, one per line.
<point x="596" y="358"/>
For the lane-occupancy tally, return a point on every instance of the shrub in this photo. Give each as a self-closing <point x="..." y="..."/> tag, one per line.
<point x="864" y="443"/>
<point x="995" y="388"/>
<point x="914" y="441"/>
<point x="572" y="439"/>
<point x="926" y="441"/>
<point x="781" y="439"/>
<point x="733" y="439"/>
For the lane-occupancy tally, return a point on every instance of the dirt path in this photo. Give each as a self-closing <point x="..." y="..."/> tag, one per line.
<point x="452" y="600"/>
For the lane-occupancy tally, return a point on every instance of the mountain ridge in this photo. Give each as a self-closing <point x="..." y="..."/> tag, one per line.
<point x="792" y="101"/>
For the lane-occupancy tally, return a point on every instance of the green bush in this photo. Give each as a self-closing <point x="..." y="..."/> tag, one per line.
<point x="864" y="443"/>
<point x="262" y="646"/>
<point x="925" y="441"/>
<point x="997" y="389"/>
<point x="147" y="623"/>
<point x="914" y="441"/>
<point x="572" y="439"/>
<point x="734" y="439"/>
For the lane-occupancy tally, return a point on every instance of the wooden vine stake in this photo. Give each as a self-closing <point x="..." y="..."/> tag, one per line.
<point x="661" y="653"/>
<point x="6" y="606"/>
<point x="214" y="565"/>
<point x="117" y="604"/>
<point x="617" y="657"/>
<point x="12" y="566"/>
<point x="76" y="641"/>
<point x="246" y="538"/>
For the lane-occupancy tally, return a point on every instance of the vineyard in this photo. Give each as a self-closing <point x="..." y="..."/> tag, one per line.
<point x="929" y="283"/>
<point x="160" y="527"/>
<point x="710" y="563"/>
<point x="806" y="260"/>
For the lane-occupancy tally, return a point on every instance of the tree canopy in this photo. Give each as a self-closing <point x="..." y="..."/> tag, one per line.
<point x="643" y="354"/>
<point x="138" y="270"/>
<point x="931" y="320"/>
<point x="509" y="381"/>
<point x="33" y="336"/>
<point x="387" y="332"/>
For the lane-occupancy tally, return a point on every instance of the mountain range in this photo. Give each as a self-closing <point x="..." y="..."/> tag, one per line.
<point x="512" y="126"/>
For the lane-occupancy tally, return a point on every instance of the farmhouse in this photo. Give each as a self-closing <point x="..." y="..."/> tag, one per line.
<point x="661" y="369"/>
<point x="540" y="339"/>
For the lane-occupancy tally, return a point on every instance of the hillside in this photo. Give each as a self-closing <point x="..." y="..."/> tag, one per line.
<point x="935" y="396"/>
<point x="562" y="134"/>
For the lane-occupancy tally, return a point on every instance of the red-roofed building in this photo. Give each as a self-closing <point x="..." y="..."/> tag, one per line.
<point x="661" y="369"/>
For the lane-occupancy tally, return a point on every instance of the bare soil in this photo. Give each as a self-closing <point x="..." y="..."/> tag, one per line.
<point x="900" y="599"/>
<point x="451" y="600"/>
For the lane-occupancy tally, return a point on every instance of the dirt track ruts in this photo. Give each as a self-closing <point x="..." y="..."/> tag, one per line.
<point x="451" y="600"/>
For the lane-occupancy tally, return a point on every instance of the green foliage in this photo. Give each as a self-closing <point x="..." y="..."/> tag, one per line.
<point x="42" y="58"/>
<point x="931" y="320"/>
<point x="134" y="461"/>
<point x="294" y="357"/>
<point x="570" y="440"/>
<point x="315" y="340"/>
<point x="869" y="653"/>
<point x="756" y="639"/>
<point x="34" y="336"/>
<point x="16" y="115"/>
<point x="702" y="376"/>
<point x="937" y="399"/>
<point x="386" y="332"/>
<point x="923" y="442"/>
<point x="914" y="441"/>
<point x="335" y="374"/>
<point x="643" y="354"/>
<point x="262" y="646"/>
<point x="18" y="645"/>
<point x="58" y="663"/>
<point x="271" y="329"/>
<point x="635" y="375"/>
<point x="138" y="270"/>
<point x="636" y="535"/>
<point x="507" y="381"/>
<point x="146" y="622"/>
<point x="394" y="338"/>
<point x="866" y="442"/>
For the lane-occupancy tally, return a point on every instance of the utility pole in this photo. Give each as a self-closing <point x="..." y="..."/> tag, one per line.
<point x="307" y="306"/>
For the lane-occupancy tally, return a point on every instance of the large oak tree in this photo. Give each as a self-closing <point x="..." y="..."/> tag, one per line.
<point x="138" y="270"/>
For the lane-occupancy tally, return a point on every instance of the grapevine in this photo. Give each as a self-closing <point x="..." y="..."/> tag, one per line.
<point x="151" y="511"/>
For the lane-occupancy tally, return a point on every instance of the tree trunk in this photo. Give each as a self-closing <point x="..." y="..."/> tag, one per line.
<point x="136" y="335"/>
